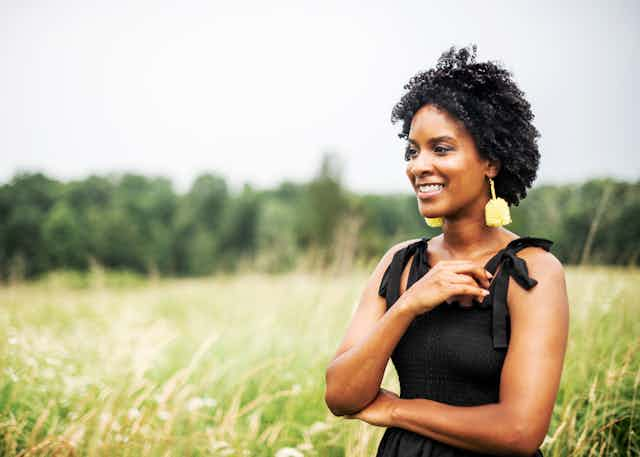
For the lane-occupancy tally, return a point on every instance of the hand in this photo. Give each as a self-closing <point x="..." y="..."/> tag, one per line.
<point x="448" y="280"/>
<point x="378" y="412"/>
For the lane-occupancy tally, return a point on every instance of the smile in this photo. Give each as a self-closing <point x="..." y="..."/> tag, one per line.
<point x="429" y="190"/>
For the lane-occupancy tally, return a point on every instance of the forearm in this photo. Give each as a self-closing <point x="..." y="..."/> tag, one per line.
<point x="353" y="378"/>
<point x="489" y="428"/>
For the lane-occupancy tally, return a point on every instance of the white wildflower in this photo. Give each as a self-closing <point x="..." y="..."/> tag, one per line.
<point x="209" y="402"/>
<point x="12" y="374"/>
<point x="221" y="447"/>
<point x="13" y="340"/>
<point x="194" y="404"/>
<point x="104" y="418"/>
<point x="133" y="413"/>
<point x="164" y="415"/>
<point x="52" y="361"/>
<point x="289" y="452"/>
<point x="48" y="373"/>
<point x="318" y="427"/>
<point x="296" y="389"/>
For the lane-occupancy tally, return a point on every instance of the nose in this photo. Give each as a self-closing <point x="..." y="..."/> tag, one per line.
<point x="422" y="164"/>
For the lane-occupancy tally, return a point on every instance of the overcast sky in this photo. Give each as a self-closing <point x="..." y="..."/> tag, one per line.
<point x="258" y="90"/>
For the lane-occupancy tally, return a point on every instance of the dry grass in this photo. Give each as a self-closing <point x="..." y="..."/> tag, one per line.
<point x="235" y="366"/>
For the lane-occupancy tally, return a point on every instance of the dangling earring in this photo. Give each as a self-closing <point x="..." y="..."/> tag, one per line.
<point x="433" y="221"/>
<point x="496" y="211"/>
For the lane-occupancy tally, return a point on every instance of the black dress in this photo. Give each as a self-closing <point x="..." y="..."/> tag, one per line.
<point x="451" y="354"/>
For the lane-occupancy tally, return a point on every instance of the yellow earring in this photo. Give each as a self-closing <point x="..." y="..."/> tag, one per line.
<point x="496" y="211"/>
<point x="433" y="221"/>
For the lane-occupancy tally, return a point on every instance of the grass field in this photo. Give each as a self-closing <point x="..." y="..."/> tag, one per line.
<point x="111" y="364"/>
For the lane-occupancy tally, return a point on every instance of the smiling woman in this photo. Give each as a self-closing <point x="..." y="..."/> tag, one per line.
<point x="476" y="319"/>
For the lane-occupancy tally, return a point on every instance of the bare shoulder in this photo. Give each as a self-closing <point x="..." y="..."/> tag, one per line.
<point x="542" y="263"/>
<point x="549" y="296"/>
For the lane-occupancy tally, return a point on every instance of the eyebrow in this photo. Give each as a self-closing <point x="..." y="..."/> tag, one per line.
<point x="435" y="139"/>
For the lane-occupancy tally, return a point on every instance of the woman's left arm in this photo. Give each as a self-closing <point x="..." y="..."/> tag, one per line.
<point x="529" y="380"/>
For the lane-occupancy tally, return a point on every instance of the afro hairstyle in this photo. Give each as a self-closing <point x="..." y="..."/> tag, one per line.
<point x="484" y="97"/>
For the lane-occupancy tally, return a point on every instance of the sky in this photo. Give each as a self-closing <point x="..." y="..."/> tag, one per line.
<point x="258" y="91"/>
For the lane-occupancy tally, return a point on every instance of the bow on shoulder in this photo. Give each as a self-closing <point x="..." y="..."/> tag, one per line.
<point x="513" y="266"/>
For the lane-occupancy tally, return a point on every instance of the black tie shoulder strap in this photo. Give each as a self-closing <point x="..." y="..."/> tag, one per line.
<point x="390" y="284"/>
<point x="512" y="265"/>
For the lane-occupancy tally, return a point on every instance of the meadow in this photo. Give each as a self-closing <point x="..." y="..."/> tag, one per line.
<point x="110" y="363"/>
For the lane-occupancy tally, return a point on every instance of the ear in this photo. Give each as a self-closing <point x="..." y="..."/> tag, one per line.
<point x="493" y="168"/>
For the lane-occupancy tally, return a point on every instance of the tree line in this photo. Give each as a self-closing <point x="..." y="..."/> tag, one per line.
<point x="140" y="223"/>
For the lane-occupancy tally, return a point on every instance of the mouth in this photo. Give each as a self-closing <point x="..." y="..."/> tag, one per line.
<point x="429" y="190"/>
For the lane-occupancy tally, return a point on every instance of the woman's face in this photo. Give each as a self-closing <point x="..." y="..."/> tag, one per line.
<point x="441" y="151"/>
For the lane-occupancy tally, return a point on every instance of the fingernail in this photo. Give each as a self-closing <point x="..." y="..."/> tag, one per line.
<point x="489" y="274"/>
<point x="485" y="292"/>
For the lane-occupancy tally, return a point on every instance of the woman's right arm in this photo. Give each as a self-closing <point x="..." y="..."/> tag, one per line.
<point x="354" y="376"/>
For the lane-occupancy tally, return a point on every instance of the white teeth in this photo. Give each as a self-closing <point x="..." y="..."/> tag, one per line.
<point x="431" y="187"/>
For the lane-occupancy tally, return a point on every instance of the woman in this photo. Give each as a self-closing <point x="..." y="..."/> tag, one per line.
<point x="475" y="319"/>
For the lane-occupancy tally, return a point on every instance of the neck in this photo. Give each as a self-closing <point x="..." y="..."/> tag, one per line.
<point x="464" y="233"/>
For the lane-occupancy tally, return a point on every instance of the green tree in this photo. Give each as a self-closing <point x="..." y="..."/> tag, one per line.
<point x="24" y="204"/>
<point x="65" y="238"/>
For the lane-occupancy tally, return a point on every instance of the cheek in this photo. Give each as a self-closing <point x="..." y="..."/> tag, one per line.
<point x="409" y="173"/>
<point x="464" y="179"/>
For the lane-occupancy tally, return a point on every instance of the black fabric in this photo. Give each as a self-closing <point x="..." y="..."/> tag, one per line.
<point x="452" y="354"/>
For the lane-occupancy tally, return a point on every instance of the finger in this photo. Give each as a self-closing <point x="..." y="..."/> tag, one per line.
<point x="455" y="281"/>
<point x="465" y="301"/>
<point x="472" y="290"/>
<point x="467" y="280"/>
<point x="473" y="269"/>
<point x="452" y="298"/>
<point x="461" y="278"/>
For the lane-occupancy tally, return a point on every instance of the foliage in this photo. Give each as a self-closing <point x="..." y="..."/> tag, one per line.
<point x="139" y="223"/>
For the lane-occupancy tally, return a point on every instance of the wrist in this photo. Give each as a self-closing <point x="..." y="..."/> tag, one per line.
<point x="396" y="412"/>
<point x="405" y="305"/>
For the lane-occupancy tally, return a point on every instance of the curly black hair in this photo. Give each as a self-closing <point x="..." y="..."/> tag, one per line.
<point x="483" y="96"/>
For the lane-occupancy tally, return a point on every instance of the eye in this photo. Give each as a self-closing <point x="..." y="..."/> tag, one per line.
<point x="441" y="150"/>
<point x="409" y="152"/>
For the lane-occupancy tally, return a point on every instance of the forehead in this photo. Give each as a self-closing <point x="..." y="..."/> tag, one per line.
<point x="430" y="121"/>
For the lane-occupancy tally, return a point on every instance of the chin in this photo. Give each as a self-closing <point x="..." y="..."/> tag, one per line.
<point x="430" y="212"/>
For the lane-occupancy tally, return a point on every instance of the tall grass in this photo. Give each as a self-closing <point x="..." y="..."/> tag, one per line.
<point x="234" y="365"/>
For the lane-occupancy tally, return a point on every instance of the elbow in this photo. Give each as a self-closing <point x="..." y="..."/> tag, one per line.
<point x="332" y="396"/>
<point x="336" y="408"/>
<point x="335" y="401"/>
<point x="524" y="441"/>
<point x="339" y="399"/>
